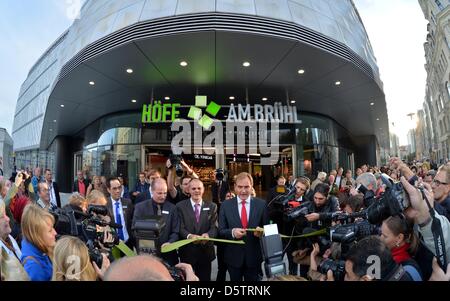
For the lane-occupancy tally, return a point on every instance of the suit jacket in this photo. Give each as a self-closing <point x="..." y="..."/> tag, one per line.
<point x="56" y="189"/>
<point x="224" y="188"/>
<point x="75" y="185"/>
<point x="145" y="210"/>
<point x="250" y="253"/>
<point x="128" y="210"/>
<point x="191" y="253"/>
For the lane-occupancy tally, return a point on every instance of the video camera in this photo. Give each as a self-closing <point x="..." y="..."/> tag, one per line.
<point x="84" y="226"/>
<point x="349" y="233"/>
<point x="175" y="160"/>
<point x="147" y="232"/>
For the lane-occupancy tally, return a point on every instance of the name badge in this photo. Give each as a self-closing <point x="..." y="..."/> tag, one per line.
<point x="165" y="212"/>
<point x="124" y="207"/>
<point x="206" y="209"/>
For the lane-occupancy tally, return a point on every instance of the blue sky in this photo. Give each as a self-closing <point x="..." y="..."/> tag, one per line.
<point x="396" y="28"/>
<point x="27" y="28"/>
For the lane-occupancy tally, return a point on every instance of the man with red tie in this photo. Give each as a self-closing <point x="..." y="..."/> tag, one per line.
<point x="236" y="215"/>
<point x="198" y="218"/>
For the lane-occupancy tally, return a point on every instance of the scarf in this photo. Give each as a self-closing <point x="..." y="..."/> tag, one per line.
<point x="400" y="254"/>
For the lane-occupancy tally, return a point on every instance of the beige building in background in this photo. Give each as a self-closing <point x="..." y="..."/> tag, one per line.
<point x="437" y="97"/>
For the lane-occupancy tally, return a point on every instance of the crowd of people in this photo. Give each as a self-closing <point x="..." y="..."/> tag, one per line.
<point x="404" y="242"/>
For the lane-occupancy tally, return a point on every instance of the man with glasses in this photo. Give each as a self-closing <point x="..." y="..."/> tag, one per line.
<point x="121" y="210"/>
<point x="441" y="190"/>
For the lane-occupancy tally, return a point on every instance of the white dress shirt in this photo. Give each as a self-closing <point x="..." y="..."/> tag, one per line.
<point x="247" y="207"/>
<point x="122" y="215"/>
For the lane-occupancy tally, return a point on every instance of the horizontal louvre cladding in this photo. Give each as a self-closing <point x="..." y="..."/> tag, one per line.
<point x="220" y="22"/>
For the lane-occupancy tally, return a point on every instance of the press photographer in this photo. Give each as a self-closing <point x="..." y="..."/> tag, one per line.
<point x="158" y="206"/>
<point x="176" y="166"/>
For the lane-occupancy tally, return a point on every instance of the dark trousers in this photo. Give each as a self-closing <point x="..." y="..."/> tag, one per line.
<point x="221" y="266"/>
<point x="248" y="274"/>
<point x="202" y="268"/>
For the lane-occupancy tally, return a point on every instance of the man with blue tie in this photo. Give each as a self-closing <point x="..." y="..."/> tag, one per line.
<point x="235" y="217"/>
<point x="121" y="210"/>
<point x="198" y="218"/>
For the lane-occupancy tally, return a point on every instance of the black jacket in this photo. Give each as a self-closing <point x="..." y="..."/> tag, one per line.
<point x="331" y="205"/>
<point x="145" y="210"/>
<point x="250" y="253"/>
<point x="75" y="185"/>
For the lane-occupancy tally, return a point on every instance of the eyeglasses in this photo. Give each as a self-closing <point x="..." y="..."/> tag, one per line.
<point x="438" y="183"/>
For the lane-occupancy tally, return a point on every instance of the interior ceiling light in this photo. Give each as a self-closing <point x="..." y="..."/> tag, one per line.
<point x="183" y="64"/>
<point x="246" y="64"/>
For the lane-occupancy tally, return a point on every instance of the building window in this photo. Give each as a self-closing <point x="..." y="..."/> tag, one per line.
<point x="439" y="5"/>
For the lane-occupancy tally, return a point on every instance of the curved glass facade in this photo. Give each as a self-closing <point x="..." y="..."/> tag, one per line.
<point x="118" y="145"/>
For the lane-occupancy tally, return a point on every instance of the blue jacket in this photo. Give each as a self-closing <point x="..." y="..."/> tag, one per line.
<point x="38" y="268"/>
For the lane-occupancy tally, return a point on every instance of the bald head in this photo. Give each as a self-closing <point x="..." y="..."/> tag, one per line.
<point x="138" y="268"/>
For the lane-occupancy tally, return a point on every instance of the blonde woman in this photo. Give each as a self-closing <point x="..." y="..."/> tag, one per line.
<point x="71" y="261"/>
<point x="39" y="238"/>
<point x="95" y="185"/>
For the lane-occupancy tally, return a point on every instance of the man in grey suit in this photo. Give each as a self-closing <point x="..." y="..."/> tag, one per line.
<point x="157" y="205"/>
<point x="198" y="218"/>
<point x="236" y="215"/>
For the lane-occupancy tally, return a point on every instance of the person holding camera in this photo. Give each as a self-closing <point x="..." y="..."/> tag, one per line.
<point x="236" y="215"/>
<point x="198" y="219"/>
<point x="322" y="205"/>
<point x="71" y="261"/>
<point x="423" y="216"/>
<point x="219" y="187"/>
<point x="158" y="205"/>
<point x="39" y="239"/>
<point x="361" y="265"/>
<point x="181" y="192"/>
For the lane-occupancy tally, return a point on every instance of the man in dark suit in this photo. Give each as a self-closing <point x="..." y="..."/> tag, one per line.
<point x="236" y="215"/>
<point x="121" y="210"/>
<point x="81" y="184"/>
<point x="198" y="219"/>
<point x="158" y="206"/>
<point x="53" y="189"/>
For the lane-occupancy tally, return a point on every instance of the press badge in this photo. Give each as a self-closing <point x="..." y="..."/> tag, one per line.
<point x="206" y="209"/>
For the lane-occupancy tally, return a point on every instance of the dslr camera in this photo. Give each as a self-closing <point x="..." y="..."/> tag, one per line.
<point x="220" y="174"/>
<point x="349" y="233"/>
<point x="392" y="202"/>
<point x="175" y="160"/>
<point x="336" y="266"/>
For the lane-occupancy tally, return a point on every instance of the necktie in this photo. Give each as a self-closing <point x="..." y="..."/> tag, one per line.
<point x="159" y="209"/>
<point x="244" y="221"/>
<point x="197" y="212"/>
<point x="119" y="220"/>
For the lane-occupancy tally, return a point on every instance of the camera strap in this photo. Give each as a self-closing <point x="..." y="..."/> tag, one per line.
<point x="438" y="235"/>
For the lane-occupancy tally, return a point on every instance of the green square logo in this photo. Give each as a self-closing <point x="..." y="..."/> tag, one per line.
<point x="195" y="113"/>
<point x="213" y="108"/>
<point x="206" y="122"/>
<point x="201" y="101"/>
